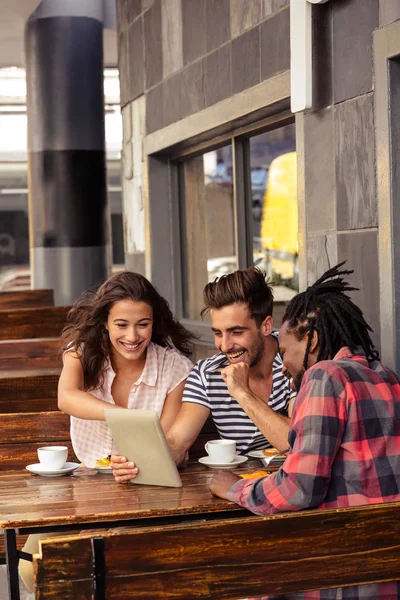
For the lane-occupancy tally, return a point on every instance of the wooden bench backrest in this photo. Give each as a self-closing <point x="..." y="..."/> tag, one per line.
<point x="23" y="323"/>
<point x="29" y="372"/>
<point x="208" y="432"/>
<point x="29" y="354"/>
<point x="26" y="299"/>
<point x="227" y="559"/>
<point x="19" y="389"/>
<point x="21" y="434"/>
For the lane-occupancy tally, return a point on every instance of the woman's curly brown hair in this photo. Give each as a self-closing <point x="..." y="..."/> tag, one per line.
<point x="85" y="330"/>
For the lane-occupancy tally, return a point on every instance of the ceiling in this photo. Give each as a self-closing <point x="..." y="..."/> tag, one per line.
<point x="13" y="16"/>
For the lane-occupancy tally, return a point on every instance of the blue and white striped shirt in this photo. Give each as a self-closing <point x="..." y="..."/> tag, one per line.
<point x="205" y="386"/>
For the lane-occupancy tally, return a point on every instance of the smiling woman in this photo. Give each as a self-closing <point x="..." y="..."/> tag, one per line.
<point x="122" y="348"/>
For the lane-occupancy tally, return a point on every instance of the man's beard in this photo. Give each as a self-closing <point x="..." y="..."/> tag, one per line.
<point x="297" y="381"/>
<point x="256" y="352"/>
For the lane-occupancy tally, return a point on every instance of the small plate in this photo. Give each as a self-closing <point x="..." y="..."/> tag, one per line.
<point x="104" y="470"/>
<point x="260" y="453"/>
<point x="238" y="460"/>
<point x="39" y="469"/>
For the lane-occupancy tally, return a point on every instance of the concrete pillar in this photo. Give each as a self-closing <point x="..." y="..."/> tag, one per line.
<point x="68" y="210"/>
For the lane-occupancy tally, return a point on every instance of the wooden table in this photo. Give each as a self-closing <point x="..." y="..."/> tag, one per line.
<point x="33" y="504"/>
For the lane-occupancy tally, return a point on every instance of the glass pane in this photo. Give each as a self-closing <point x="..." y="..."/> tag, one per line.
<point x="209" y="223"/>
<point x="274" y="208"/>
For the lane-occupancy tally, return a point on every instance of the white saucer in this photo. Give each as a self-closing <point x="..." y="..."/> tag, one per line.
<point x="39" y="469"/>
<point x="238" y="460"/>
<point x="104" y="470"/>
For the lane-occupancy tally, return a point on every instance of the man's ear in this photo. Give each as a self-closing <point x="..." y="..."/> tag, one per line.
<point x="267" y="326"/>
<point x="314" y="342"/>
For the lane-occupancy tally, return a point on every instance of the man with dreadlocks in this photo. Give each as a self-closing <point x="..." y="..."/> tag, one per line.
<point x="345" y="432"/>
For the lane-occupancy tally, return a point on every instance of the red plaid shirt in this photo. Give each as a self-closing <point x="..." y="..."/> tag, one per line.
<point x="344" y="451"/>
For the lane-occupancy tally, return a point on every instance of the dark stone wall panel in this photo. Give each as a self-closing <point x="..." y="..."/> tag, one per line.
<point x="217" y="75"/>
<point x="134" y="8"/>
<point x="154" y="108"/>
<point x="127" y="11"/>
<point x="355" y="164"/>
<point x="192" y="85"/>
<point x="321" y="255"/>
<point x="389" y="11"/>
<point x="270" y="7"/>
<point x="245" y="15"/>
<point x="275" y="45"/>
<point x="246" y="60"/>
<point x="360" y="250"/>
<point x="123" y="66"/>
<point x="172" y="98"/>
<point x="319" y="170"/>
<point x="136" y="59"/>
<point x="218" y="23"/>
<point x="353" y="24"/>
<point x="153" y="45"/>
<point x="147" y="4"/>
<point x="194" y="29"/>
<point x="68" y="198"/>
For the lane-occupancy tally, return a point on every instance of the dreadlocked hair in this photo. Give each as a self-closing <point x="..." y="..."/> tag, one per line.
<point x="325" y="308"/>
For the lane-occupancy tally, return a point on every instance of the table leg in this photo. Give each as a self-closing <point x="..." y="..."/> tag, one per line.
<point x="12" y="564"/>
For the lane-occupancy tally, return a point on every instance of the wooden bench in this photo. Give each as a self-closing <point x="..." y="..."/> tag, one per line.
<point x="21" y="434"/>
<point x="29" y="354"/>
<point x="28" y="391"/>
<point x="22" y="323"/>
<point x="26" y="299"/>
<point x="20" y="437"/>
<point x="226" y="559"/>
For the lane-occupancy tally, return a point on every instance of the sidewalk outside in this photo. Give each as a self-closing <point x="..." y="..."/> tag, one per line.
<point x="25" y="594"/>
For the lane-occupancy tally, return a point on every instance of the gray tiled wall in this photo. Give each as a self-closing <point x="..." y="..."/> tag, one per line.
<point x="209" y="49"/>
<point x="352" y="27"/>
<point x="186" y="55"/>
<point x="389" y="11"/>
<point x="246" y="60"/>
<point x="355" y="164"/>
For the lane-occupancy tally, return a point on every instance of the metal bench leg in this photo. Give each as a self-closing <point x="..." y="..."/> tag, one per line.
<point x="12" y="564"/>
<point x="98" y="568"/>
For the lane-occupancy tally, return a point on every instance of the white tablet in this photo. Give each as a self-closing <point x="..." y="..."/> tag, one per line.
<point x="138" y="436"/>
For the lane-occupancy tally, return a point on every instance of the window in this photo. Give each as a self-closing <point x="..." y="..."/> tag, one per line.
<point x="238" y="207"/>
<point x="208" y="223"/>
<point x="274" y="208"/>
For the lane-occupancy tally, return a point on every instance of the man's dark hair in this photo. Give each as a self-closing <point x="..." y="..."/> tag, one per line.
<point x="247" y="286"/>
<point x="324" y="307"/>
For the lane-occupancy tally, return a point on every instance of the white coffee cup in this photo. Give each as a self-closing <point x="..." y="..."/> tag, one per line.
<point x="53" y="457"/>
<point x="223" y="451"/>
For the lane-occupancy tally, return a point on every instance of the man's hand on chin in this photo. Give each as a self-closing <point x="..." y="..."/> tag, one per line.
<point x="222" y="482"/>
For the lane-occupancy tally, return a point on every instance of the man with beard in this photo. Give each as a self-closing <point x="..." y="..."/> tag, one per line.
<point x="240" y="306"/>
<point x="345" y="432"/>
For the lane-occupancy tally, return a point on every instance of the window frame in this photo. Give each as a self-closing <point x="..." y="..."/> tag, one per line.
<point x="243" y="112"/>
<point x="239" y="139"/>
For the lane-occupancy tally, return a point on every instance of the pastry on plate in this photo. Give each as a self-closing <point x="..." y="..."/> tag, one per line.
<point x="103" y="462"/>
<point x="270" y="451"/>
